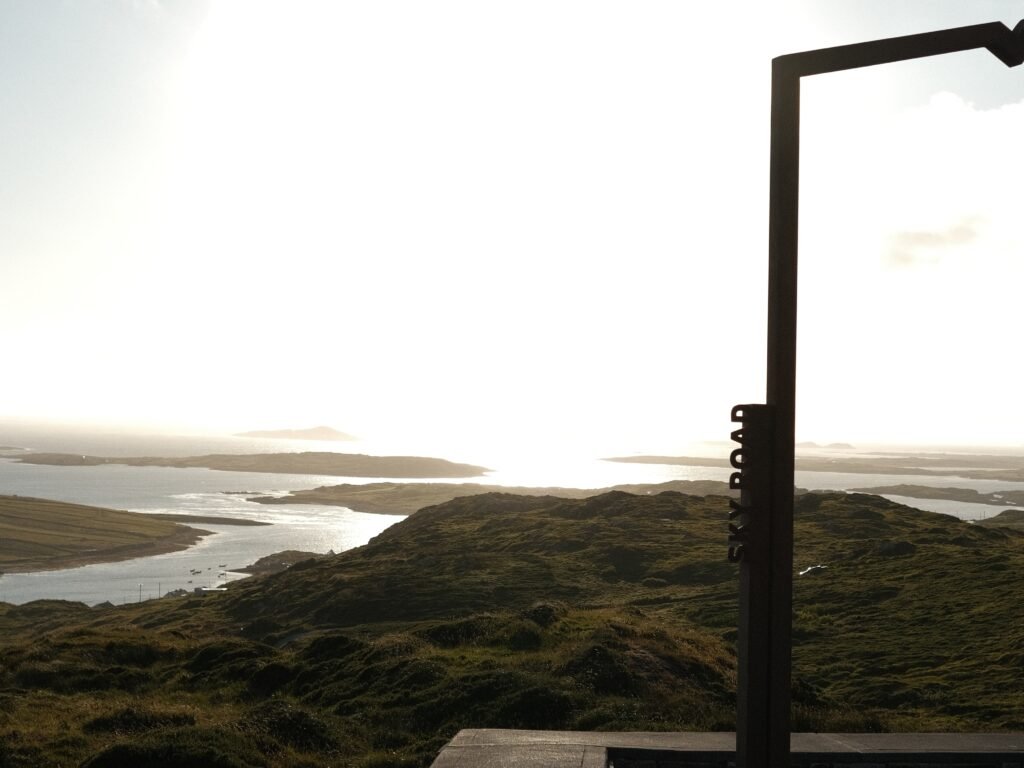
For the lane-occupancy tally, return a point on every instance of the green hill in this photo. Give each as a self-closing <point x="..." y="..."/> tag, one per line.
<point x="612" y="612"/>
<point x="1008" y="518"/>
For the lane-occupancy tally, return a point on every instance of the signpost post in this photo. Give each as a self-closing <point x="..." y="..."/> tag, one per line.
<point x="761" y="526"/>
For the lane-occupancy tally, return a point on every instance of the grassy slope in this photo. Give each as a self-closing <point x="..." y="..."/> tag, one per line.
<point x="614" y="612"/>
<point x="37" y="534"/>
<point x="407" y="498"/>
<point x="923" y="623"/>
<point x="1008" y="518"/>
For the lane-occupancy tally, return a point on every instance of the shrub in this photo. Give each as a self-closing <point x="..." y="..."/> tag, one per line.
<point x="332" y="646"/>
<point x="270" y="678"/>
<point x="134" y="720"/>
<point x="536" y="707"/>
<point x="181" y="748"/>
<point x="215" y="656"/>
<point x="288" y="724"/>
<point x="69" y="677"/>
<point x="139" y="654"/>
<point x="523" y="638"/>
<point x="467" y="631"/>
<point x="603" y="670"/>
<point x="388" y="760"/>
<point x="544" y="614"/>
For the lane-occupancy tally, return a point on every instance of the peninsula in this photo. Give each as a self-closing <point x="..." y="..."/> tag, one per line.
<point x="1007" y="498"/>
<point x="407" y="498"/>
<point x="41" y="535"/>
<point x="306" y="463"/>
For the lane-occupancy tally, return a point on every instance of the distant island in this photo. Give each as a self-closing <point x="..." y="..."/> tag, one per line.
<point x="829" y="446"/>
<point x="313" y="433"/>
<point x="978" y="467"/>
<point x="306" y="463"/>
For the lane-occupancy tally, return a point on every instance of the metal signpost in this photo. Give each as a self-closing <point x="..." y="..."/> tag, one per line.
<point x="761" y="523"/>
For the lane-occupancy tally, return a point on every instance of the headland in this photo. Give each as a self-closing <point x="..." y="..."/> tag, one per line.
<point x="304" y="463"/>
<point x="42" y="535"/>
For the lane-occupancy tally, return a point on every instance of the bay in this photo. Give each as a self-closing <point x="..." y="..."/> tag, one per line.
<point x="318" y="529"/>
<point x="314" y="528"/>
<point x="197" y="492"/>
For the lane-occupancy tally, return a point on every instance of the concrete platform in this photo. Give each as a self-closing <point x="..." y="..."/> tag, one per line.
<point x="492" y="748"/>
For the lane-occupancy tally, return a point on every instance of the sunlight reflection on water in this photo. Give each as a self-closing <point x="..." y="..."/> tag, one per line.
<point x="303" y="527"/>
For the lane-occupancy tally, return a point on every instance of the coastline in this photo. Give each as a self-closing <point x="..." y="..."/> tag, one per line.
<point x="174" y="543"/>
<point x="973" y="466"/>
<point x="176" y="517"/>
<point x="43" y="535"/>
<point x="1005" y="498"/>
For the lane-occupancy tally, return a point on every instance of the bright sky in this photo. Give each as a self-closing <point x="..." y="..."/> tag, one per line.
<point x="512" y="221"/>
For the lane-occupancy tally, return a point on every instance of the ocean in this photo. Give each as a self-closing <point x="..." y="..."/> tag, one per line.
<point x="202" y="492"/>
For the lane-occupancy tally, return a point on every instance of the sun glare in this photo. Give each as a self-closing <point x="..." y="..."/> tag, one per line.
<point x="446" y="215"/>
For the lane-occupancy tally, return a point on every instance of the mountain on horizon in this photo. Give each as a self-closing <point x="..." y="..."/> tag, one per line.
<point x="312" y="433"/>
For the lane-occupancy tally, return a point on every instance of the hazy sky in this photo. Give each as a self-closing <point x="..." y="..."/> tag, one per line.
<point x="500" y="220"/>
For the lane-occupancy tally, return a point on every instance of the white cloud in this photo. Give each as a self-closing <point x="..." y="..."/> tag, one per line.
<point x="910" y="248"/>
<point x="912" y="263"/>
